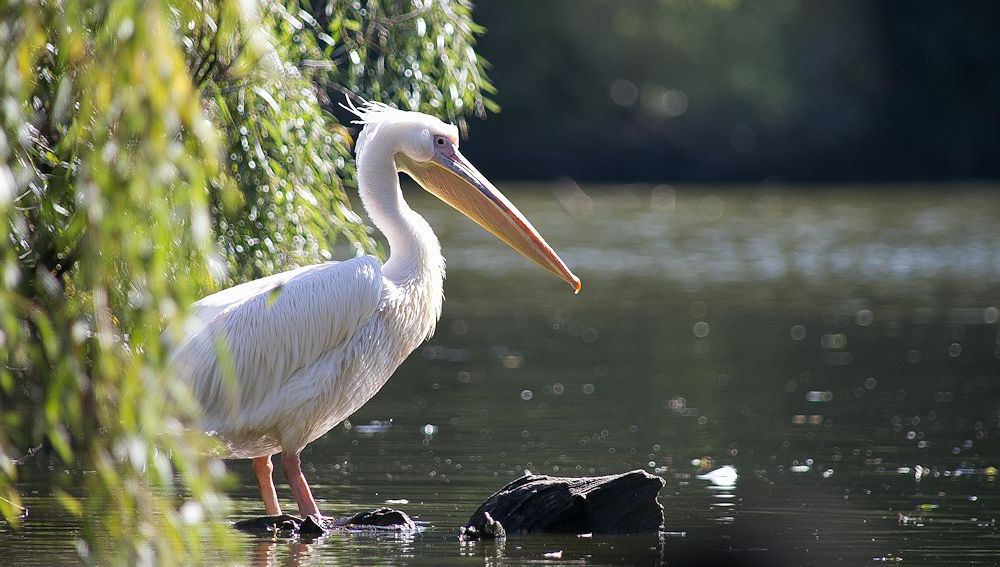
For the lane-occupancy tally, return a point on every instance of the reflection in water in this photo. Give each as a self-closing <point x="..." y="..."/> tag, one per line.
<point x="722" y="477"/>
<point x="490" y="551"/>
<point x="834" y="352"/>
<point x="274" y="552"/>
<point x="266" y="554"/>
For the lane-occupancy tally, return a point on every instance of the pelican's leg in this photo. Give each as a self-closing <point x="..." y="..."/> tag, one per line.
<point x="263" y="468"/>
<point x="300" y="488"/>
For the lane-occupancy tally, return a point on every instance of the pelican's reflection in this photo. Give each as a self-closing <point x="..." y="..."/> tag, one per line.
<point x="335" y="546"/>
<point x="265" y="553"/>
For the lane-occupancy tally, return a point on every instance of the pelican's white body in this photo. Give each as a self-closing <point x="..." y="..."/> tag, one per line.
<point x="276" y="362"/>
<point x="307" y="348"/>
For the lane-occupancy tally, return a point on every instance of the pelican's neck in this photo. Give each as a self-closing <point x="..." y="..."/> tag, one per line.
<point x="414" y="251"/>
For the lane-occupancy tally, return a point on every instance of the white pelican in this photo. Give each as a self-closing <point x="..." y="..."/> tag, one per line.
<point x="277" y="362"/>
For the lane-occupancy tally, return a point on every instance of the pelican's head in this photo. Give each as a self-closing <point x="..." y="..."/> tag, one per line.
<point x="426" y="149"/>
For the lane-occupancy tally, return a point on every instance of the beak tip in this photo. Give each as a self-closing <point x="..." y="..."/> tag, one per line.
<point x="576" y="283"/>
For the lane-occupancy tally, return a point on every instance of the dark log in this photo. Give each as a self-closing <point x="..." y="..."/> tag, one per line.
<point x="283" y="524"/>
<point x="617" y="504"/>
<point x="381" y="519"/>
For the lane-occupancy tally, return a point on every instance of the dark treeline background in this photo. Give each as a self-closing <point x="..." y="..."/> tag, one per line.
<point x="730" y="90"/>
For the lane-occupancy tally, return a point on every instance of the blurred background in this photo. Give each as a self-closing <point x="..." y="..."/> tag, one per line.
<point x="725" y="90"/>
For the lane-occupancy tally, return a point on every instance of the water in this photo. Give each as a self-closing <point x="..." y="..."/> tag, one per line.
<point x="839" y="348"/>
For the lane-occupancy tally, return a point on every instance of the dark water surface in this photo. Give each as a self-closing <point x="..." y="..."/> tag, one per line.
<point x="838" y="349"/>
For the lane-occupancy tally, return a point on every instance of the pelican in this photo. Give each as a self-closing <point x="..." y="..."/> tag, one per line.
<point x="277" y="362"/>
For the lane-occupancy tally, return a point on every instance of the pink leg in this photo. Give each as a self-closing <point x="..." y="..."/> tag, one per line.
<point x="263" y="468"/>
<point x="300" y="488"/>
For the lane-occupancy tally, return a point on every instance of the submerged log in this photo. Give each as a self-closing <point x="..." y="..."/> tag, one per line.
<point x="284" y="523"/>
<point x="380" y="519"/>
<point x="617" y="504"/>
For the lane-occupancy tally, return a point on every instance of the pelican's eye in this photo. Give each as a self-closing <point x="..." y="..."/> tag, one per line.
<point x="439" y="140"/>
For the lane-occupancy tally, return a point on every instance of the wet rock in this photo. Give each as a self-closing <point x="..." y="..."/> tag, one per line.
<point x="285" y="525"/>
<point x="380" y="518"/>
<point x="491" y="529"/>
<point x="617" y="504"/>
<point x="313" y="526"/>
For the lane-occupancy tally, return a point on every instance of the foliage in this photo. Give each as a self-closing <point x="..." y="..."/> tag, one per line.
<point x="151" y="152"/>
<point x="416" y="57"/>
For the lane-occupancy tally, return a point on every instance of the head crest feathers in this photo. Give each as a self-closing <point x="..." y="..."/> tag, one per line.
<point x="372" y="115"/>
<point x="370" y="111"/>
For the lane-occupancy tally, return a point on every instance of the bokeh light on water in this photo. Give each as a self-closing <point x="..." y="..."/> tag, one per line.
<point x="814" y="372"/>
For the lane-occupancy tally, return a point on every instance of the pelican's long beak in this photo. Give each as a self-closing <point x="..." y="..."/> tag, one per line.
<point x="451" y="178"/>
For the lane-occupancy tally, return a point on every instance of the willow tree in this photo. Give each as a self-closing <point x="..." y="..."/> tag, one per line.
<point x="153" y="151"/>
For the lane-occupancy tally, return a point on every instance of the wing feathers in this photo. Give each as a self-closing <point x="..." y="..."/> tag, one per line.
<point x="254" y="337"/>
